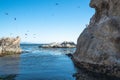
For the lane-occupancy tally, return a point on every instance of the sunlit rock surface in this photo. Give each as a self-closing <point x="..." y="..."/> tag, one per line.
<point x="9" y="46"/>
<point x="64" y="44"/>
<point x="98" y="47"/>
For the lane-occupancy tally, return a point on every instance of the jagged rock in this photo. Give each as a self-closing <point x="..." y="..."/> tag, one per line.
<point x="98" y="47"/>
<point x="64" y="44"/>
<point x="9" y="46"/>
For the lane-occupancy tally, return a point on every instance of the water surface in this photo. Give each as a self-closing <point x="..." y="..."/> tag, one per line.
<point x="44" y="64"/>
<point x="38" y="64"/>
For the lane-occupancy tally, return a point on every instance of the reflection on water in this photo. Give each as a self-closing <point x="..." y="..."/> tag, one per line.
<point x="9" y="64"/>
<point x="44" y="64"/>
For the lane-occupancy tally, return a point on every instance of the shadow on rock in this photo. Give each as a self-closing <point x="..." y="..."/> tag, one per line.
<point x="83" y="74"/>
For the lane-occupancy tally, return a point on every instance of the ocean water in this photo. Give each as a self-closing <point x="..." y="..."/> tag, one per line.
<point x="38" y="64"/>
<point x="44" y="64"/>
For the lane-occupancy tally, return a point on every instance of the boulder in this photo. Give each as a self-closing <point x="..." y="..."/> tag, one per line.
<point x="98" y="47"/>
<point x="9" y="46"/>
<point x="64" y="44"/>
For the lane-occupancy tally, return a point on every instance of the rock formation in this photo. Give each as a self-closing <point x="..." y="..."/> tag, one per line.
<point x="9" y="46"/>
<point x="64" y="44"/>
<point x="98" y="47"/>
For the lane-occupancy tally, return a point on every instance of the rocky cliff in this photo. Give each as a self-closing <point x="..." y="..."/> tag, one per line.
<point x="9" y="46"/>
<point x="98" y="47"/>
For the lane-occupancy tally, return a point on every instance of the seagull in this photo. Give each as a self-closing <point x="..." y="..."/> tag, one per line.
<point x="6" y="13"/>
<point x="78" y="7"/>
<point x="14" y="18"/>
<point x="57" y="4"/>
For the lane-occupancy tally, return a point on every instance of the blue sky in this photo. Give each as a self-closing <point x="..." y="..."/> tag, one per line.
<point x="44" y="21"/>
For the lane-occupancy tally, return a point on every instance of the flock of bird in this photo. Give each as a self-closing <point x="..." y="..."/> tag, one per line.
<point x="28" y="31"/>
<point x="7" y="14"/>
<point x="25" y="33"/>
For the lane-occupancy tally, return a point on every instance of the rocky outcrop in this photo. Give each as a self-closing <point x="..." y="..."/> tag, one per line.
<point x="98" y="47"/>
<point x="64" y="44"/>
<point x="9" y="46"/>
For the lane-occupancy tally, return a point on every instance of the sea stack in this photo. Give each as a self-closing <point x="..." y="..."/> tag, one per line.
<point x="10" y="46"/>
<point x="64" y="44"/>
<point x="98" y="47"/>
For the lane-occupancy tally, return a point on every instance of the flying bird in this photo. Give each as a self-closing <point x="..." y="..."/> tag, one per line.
<point x="14" y="18"/>
<point x="78" y="7"/>
<point x="57" y="4"/>
<point x="6" y="13"/>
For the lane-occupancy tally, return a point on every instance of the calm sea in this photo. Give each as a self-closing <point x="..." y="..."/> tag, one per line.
<point x="38" y="64"/>
<point x="44" y="64"/>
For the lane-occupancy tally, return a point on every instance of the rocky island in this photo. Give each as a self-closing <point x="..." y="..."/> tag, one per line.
<point x="98" y="47"/>
<point x="64" y="44"/>
<point x="10" y="46"/>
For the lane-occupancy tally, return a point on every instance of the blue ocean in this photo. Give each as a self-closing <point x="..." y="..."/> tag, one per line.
<point x="44" y="64"/>
<point x="38" y="64"/>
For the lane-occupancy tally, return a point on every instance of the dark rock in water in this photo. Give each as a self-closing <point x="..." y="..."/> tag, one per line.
<point x="64" y="44"/>
<point x="98" y="47"/>
<point x="10" y="46"/>
<point x="8" y="77"/>
<point x="25" y="51"/>
<point x="69" y="55"/>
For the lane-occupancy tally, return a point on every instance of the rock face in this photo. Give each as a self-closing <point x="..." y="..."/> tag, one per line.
<point x="98" y="47"/>
<point x="64" y="44"/>
<point x="10" y="46"/>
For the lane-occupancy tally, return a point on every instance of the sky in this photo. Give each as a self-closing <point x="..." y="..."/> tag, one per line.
<point x="44" y="21"/>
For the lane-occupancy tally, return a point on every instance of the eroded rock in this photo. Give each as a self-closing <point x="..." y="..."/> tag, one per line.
<point x="64" y="44"/>
<point x="98" y="47"/>
<point x="9" y="46"/>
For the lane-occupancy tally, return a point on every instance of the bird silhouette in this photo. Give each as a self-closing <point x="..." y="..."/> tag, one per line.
<point x="56" y="3"/>
<point x="6" y="13"/>
<point x="14" y="18"/>
<point x="78" y="7"/>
